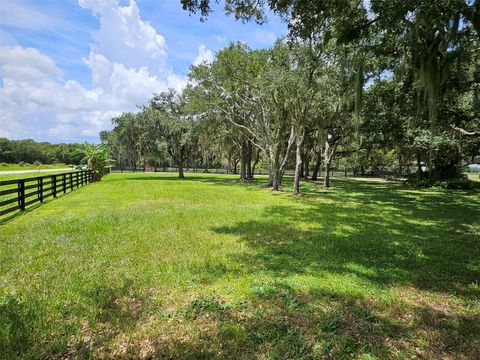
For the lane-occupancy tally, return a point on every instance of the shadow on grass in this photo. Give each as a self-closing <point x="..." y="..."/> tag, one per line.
<point x="382" y="236"/>
<point x="421" y="240"/>
<point x="212" y="179"/>
<point x="282" y="323"/>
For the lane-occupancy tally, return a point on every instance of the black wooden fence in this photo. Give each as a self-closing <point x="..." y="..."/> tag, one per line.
<point x="17" y="194"/>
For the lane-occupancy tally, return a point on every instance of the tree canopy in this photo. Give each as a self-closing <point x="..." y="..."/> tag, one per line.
<point x="392" y="85"/>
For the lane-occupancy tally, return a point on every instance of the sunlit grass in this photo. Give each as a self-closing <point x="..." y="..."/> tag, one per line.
<point x="145" y="265"/>
<point x="10" y="167"/>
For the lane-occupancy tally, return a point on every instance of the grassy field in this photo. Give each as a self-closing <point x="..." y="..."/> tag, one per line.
<point x="9" y="167"/>
<point x="474" y="176"/>
<point x="147" y="266"/>
<point x="29" y="175"/>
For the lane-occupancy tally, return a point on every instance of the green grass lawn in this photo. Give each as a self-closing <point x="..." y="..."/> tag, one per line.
<point x="30" y="175"/>
<point x="474" y="176"/>
<point x="9" y="167"/>
<point x="147" y="266"/>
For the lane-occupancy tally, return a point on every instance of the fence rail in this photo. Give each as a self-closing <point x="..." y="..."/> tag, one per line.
<point x="36" y="189"/>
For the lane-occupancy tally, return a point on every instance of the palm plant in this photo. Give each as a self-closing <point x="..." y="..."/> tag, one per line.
<point x="97" y="158"/>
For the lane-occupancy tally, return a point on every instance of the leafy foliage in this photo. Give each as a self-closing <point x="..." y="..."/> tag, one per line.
<point x="97" y="159"/>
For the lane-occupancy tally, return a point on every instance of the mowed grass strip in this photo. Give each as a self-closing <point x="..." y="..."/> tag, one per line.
<point x="9" y="167"/>
<point x="145" y="265"/>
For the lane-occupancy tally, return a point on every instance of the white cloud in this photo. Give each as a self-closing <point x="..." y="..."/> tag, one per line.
<point x="204" y="55"/>
<point x="9" y="127"/>
<point x="123" y="37"/>
<point x="26" y="63"/>
<point x="127" y="62"/>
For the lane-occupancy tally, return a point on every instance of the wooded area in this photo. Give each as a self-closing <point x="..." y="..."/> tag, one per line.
<point x="30" y="151"/>
<point x="393" y="86"/>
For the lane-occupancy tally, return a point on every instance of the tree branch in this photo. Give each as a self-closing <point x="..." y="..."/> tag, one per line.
<point x="465" y="132"/>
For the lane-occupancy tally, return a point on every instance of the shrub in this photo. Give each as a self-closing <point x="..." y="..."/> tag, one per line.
<point x="461" y="182"/>
<point x="97" y="159"/>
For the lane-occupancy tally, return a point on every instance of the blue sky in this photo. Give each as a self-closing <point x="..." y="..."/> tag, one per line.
<point x="68" y="67"/>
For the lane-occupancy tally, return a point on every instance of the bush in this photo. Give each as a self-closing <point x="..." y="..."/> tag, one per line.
<point x="461" y="182"/>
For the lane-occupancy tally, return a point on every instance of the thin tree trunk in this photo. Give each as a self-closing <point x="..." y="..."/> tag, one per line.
<point x="205" y="163"/>
<point x="419" y="166"/>
<point x="306" y="160"/>
<point x="326" y="179"/>
<point x="298" y="164"/>
<point x="243" y="162"/>
<point x="257" y="159"/>
<point x="328" y="156"/>
<point x="235" y="163"/>
<point x="249" y="160"/>
<point x="281" y="168"/>
<point x="302" y="164"/>
<point x="298" y="169"/>
<point x="316" y="169"/>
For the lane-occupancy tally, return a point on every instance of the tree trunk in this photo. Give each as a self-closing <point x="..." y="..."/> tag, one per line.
<point x="257" y="159"/>
<point x="281" y="168"/>
<point x="329" y="151"/>
<point x="235" y="163"/>
<point x="276" y="180"/>
<point x="243" y="162"/>
<point x="205" y="163"/>
<point x="298" y="164"/>
<point x="419" y="166"/>
<point x="180" y="170"/>
<point x="326" y="179"/>
<point x="302" y="164"/>
<point x="298" y="170"/>
<point x="306" y="159"/>
<point x="249" y="160"/>
<point x="316" y="169"/>
<point x="274" y="172"/>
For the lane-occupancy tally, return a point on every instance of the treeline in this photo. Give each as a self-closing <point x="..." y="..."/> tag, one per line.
<point x="29" y="151"/>
<point x="397" y="87"/>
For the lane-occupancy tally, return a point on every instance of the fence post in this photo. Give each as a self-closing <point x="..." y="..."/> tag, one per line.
<point x="40" y="189"/>
<point x="54" y="185"/>
<point x="71" y="181"/>
<point x="64" y="185"/>
<point x="21" y="194"/>
<point x="76" y="178"/>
